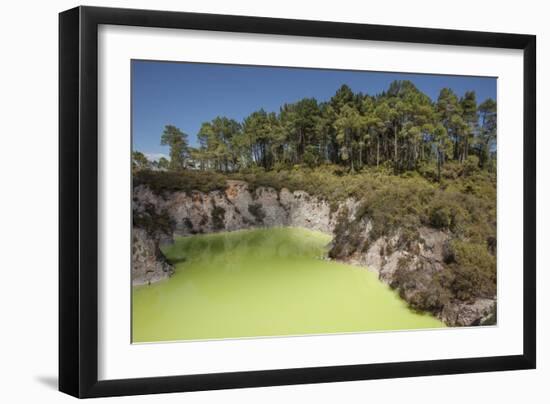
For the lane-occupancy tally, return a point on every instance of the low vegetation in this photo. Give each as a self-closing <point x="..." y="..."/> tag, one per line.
<point x="187" y="181"/>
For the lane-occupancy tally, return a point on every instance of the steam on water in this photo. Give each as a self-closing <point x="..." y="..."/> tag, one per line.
<point x="264" y="282"/>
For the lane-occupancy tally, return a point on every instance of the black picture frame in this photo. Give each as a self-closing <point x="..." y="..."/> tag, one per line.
<point x="78" y="201"/>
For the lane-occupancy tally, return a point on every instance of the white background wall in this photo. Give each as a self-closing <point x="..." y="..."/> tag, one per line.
<point x="28" y="202"/>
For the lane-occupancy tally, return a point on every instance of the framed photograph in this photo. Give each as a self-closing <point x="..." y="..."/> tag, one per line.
<point x="251" y="201"/>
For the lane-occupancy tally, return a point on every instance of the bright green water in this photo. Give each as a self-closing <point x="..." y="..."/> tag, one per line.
<point x="264" y="283"/>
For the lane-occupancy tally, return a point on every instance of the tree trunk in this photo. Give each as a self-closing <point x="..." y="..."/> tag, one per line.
<point x="438" y="164"/>
<point x="395" y="144"/>
<point x="377" y="150"/>
<point x="415" y="155"/>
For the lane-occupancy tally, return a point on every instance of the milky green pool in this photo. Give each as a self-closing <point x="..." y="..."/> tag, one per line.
<point x="264" y="282"/>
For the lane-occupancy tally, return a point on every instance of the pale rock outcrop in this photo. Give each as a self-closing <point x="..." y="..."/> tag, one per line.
<point x="471" y="313"/>
<point x="275" y="213"/>
<point x="192" y="212"/>
<point x="148" y="264"/>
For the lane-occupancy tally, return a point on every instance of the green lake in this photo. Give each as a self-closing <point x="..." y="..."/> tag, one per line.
<point x="264" y="282"/>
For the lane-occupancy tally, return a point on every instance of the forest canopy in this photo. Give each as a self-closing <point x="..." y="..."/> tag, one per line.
<point x="401" y="128"/>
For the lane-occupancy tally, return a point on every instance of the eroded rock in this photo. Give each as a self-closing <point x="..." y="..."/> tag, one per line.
<point x="148" y="263"/>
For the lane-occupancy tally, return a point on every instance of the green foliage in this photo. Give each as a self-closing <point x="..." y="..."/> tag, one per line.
<point x="139" y="161"/>
<point x="488" y="132"/>
<point x="471" y="165"/>
<point x="163" y="163"/>
<point x="401" y="127"/>
<point x="310" y="156"/>
<point x="186" y="181"/>
<point x="473" y="269"/>
<point x="440" y="217"/>
<point x="220" y="144"/>
<point x="179" y="149"/>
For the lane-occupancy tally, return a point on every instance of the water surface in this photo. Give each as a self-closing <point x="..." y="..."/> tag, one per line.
<point x="264" y="282"/>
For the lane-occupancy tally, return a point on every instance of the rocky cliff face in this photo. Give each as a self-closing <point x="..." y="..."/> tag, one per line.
<point x="237" y="207"/>
<point x="148" y="263"/>
<point x="408" y="267"/>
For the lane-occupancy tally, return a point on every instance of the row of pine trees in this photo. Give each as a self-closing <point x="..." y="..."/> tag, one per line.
<point x="401" y="127"/>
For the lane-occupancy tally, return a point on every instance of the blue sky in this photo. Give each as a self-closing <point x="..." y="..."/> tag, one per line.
<point x="188" y="94"/>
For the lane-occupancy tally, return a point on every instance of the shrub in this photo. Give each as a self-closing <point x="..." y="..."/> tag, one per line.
<point x="311" y="156"/>
<point x="428" y="171"/>
<point x="471" y="165"/>
<point x="185" y="180"/>
<point x="448" y="253"/>
<point x="474" y="271"/>
<point x="440" y="217"/>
